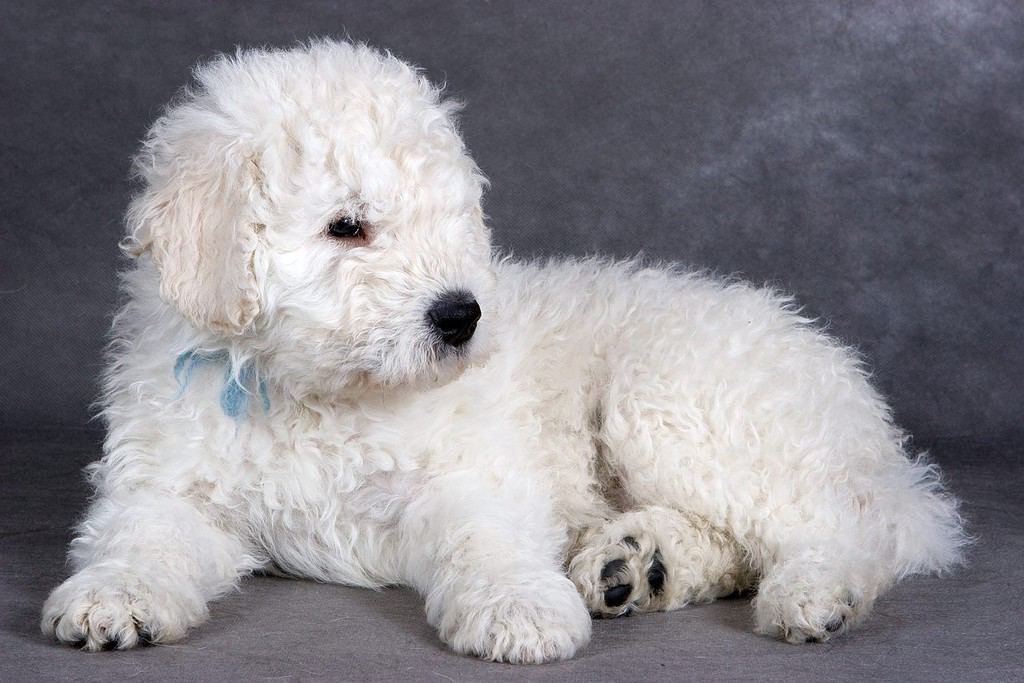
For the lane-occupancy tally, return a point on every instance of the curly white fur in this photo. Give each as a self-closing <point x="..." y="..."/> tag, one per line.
<point x="602" y="410"/>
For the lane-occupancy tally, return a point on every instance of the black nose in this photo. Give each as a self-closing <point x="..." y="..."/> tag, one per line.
<point x="454" y="317"/>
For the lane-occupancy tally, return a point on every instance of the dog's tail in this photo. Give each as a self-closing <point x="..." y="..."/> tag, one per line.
<point x="928" y="533"/>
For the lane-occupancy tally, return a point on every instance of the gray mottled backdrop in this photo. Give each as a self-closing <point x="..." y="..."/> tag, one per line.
<point x="865" y="155"/>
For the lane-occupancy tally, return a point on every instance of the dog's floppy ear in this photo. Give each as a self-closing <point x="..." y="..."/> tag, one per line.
<point x="194" y="218"/>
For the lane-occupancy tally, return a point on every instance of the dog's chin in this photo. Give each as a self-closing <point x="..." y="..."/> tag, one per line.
<point x="443" y="365"/>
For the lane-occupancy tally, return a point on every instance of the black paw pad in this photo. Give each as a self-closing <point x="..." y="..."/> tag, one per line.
<point x="617" y="596"/>
<point x="835" y="625"/>
<point x="612" y="568"/>
<point x="656" y="574"/>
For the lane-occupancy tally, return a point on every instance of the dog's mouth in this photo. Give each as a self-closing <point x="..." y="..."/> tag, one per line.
<point x="434" y="362"/>
<point x="443" y="352"/>
<point x="448" y="361"/>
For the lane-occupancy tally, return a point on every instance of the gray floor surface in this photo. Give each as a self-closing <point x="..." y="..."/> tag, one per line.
<point x="967" y="626"/>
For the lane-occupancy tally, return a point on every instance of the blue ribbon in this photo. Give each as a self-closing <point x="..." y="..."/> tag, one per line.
<point x="234" y="397"/>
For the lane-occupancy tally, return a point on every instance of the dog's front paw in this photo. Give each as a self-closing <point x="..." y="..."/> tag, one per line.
<point x="537" y="620"/>
<point x="102" y="609"/>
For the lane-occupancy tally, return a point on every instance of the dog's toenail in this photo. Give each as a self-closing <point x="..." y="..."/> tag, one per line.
<point x="656" y="574"/>
<point x="631" y="542"/>
<point x="613" y="568"/>
<point x="617" y="596"/>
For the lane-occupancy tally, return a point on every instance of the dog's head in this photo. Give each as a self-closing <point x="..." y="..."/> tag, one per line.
<point x="319" y="206"/>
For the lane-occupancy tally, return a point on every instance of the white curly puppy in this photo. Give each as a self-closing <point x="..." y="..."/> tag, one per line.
<point x="321" y="370"/>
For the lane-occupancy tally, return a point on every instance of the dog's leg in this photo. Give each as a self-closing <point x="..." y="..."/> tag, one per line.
<point x="487" y="560"/>
<point x="655" y="559"/>
<point x="817" y="593"/>
<point x="146" y="567"/>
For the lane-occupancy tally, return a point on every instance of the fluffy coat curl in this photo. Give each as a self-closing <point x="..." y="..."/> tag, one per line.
<point x="612" y="438"/>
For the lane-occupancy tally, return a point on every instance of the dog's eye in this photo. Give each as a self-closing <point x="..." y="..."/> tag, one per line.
<point x="345" y="227"/>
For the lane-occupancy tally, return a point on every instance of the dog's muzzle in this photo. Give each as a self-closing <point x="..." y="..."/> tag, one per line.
<point x="454" y="316"/>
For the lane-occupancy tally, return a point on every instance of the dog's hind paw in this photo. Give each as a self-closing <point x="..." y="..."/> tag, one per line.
<point x="806" y="602"/>
<point x="806" y="619"/>
<point x="654" y="559"/>
<point x="620" y="577"/>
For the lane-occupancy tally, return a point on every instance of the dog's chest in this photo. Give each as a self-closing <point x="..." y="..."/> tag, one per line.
<point x="302" y="464"/>
<point x="324" y="498"/>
